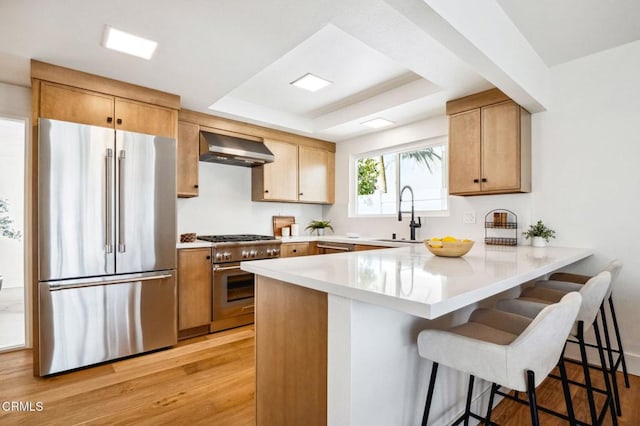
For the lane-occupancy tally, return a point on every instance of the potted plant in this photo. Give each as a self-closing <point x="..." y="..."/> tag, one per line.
<point x="318" y="226"/>
<point x="539" y="234"/>
<point x="6" y="230"/>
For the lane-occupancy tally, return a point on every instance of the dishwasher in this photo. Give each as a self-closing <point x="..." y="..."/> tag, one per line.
<point x="328" y="248"/>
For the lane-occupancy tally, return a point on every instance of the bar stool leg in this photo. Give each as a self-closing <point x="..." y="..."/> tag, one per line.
<point x="619" y="341"/>
<point x="587" y="375"/>
<point x="467" y="406"/>
<point x="565" y="390"/>
<point x="612" y="370"/>
<point x="607" y="383"/>
<point x="487" y="419"/>
<point x="531" y="393"/>
<point x="432" y="382"/>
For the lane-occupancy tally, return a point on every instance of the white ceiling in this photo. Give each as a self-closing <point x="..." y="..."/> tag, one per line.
<point x="240" y="56"/>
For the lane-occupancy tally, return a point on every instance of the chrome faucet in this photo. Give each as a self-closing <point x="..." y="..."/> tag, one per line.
<point x="412" y="225"/>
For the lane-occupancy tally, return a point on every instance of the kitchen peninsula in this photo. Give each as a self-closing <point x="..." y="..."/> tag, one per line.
<point x="335" y="334"/>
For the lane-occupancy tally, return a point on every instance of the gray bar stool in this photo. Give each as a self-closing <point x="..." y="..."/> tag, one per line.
<point x="534" y="299"/>
<point x="505" y="349"/>
<point x="567" y="282"/>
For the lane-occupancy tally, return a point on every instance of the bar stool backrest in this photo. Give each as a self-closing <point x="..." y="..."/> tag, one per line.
<point x="539" y="346"/>
<point x="593" y="293"/>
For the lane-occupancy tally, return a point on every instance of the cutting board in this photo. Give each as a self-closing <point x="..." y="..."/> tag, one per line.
<point x="280" y="222"/>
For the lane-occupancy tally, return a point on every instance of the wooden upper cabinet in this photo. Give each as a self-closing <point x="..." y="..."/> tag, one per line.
<point x="194" y="288"/>
<point x="188" y="157"/>
<point x="299" y="173"/>
<point x="76" y="105"/>
<point x="489" y="148"/>
<point x="315" y="175"/>
<point x="145" y="118"/>
<point x="464" y="152"/>
<point x="281" y="176"/>
<point x="501" y="147"/>
<point x="68" y="103"/>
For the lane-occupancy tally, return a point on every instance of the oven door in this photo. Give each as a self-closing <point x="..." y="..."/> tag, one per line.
<point x="233" y="291"/>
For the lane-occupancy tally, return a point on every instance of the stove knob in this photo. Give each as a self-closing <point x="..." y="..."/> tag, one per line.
<point x="269" y="252"/>
<point x="218" y="256"/>
<point x="276" y="251"/>
<point x="253" y="253"/>
<point x="227" y="256"/>
<point x="245" y="254"/>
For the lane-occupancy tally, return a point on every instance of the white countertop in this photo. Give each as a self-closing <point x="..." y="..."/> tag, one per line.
<point x="308" y="238"/>
<point x="412" y="280"/>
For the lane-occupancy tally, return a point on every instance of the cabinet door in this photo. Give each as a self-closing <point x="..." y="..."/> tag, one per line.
<point x="501" y="147"/>
<point x="281" y="176"/>
<point x="145" y="118"/>
<point x="294" y="249"/>
<point x="194" y="287"/>
<point x="464" y="152"/>
<point x="75" y="105"/>
<point x="188" y="158"/>
<point x="316" y="175"/>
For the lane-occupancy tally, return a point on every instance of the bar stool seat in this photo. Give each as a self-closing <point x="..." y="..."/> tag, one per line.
<point x="502" y="348"/>
<point x="534" y="299"/>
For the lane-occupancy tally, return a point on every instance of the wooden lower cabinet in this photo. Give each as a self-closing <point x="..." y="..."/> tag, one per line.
<point x="295" y="249"/>
<point x="194" y="291"/>
<point x="291" y="354"/>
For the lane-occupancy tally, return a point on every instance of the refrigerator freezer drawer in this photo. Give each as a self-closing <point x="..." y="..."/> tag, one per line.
<point x="103" y="319"/>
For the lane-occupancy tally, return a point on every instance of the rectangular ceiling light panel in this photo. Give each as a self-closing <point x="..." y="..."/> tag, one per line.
<point x="311" y="82"/>
<point x="128" y="43"/>
<point x="377" y="123"/>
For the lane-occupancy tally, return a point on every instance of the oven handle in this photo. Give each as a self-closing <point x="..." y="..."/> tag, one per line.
<point x="225" y="268"/>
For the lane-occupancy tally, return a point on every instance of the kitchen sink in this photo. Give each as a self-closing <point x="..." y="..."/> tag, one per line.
<point x="390" y="240"/>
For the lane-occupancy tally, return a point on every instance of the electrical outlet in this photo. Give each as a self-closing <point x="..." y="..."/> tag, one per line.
<point x="469" y="217"/>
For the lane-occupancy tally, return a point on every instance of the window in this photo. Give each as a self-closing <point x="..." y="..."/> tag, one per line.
<point x="380" y="175"/>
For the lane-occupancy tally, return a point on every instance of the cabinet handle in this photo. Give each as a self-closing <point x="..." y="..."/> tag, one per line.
<point x="484" y="179"/>
<point x="109" y="119"/>
<point x="266" y="191"/>
<point x="195" y="186"/>
<point x="294" y="251"/>
<point x="301" y="193"/>
<point x="119" y="121"/>
<point x="476" y="180"/>
<point x="208" y="257"/>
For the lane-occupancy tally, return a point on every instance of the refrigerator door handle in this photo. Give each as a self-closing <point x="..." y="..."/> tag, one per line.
<point x="108" y="202"/>
<point x="122" y="248"/>
<point x="58" y="287"/>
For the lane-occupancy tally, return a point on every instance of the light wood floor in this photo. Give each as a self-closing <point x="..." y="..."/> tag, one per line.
<point x="207" y="380"/>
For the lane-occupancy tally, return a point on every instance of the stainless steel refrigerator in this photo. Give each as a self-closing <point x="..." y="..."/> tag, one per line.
<point x="107" y="244"/>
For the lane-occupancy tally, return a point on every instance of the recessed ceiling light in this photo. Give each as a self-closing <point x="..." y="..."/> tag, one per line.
<point x="128" y="43"/>
<point x="377" y="123"/>
<point x="311" y="82"/>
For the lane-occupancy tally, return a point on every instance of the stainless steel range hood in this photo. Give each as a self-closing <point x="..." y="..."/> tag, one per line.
<point x="225" y="149"/>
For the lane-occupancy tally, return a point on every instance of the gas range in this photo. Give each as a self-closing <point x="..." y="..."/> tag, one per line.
<point x="242" y="247"/>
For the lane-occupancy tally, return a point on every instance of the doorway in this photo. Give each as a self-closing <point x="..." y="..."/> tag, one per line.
<point x="12" y="213"/>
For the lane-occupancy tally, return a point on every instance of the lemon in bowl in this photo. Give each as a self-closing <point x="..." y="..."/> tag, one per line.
<point x="448" y="246"/>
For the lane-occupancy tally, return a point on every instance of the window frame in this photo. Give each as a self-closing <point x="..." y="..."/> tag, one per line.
<point x="396" y="150"/>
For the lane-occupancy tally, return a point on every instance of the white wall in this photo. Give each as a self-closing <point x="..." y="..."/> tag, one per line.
<point x="431" y="226"/>
<point x="586" y="179"/>
<point x="225" y="207"/>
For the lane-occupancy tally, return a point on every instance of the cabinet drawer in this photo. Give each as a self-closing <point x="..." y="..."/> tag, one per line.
<point x="294" y="249"/>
